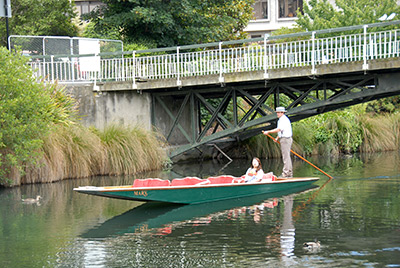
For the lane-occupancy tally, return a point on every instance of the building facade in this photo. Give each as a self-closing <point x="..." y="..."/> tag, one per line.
<point x="85" y="6"/>
<point x="270" y="15"/>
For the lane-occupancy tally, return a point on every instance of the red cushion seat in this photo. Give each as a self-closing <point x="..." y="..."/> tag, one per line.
<point x="221" y="179"/>
<point x="188" y="181"/>
<point x="151" y="182"/>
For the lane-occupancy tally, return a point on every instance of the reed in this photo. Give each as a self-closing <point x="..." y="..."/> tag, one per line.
<point x="326" y="148"/>
<point x="70" y="151"/>
<point x="302" y="139"/>
<point x="74" y="151"/>
<point x="131" y="150"/>
<point x="396" y="129"/>
<point x="82" y="151"/>
<point x="380" y="133"/>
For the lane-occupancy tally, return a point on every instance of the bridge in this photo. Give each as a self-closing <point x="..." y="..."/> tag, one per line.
<point x="227" y="91"/>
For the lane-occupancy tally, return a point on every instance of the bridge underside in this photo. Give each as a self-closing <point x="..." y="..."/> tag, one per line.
<point x="194" y="116"/>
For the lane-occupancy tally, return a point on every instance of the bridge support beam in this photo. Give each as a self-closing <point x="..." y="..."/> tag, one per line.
<point x="195" y="117"/>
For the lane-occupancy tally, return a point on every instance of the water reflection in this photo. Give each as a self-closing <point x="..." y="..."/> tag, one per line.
<point x="287" y="230"/>
<point x="95" y="253"/>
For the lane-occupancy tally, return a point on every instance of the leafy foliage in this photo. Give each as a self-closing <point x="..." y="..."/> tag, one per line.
<point x="287" y="30"/>
<point x="343" y="131"/>
<point x="24" y="117"/>
<point x="41" y="17"/>
<point x="173" y="22"/>
<point x="41" y="139"/>
<point x="340" y="129"/>
<point x="386" y="105"/>
<point x="28" y="110"/>
<point x="320" y="14"/>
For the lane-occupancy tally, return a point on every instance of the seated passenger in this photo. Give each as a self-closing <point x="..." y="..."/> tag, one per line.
<point x="255" y="172"/>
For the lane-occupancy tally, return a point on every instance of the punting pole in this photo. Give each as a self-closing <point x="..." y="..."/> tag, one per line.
<point x="293" y="152"/>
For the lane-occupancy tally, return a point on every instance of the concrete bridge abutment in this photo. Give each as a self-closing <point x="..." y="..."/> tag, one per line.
<point x="134" y="108"/>
<point x="103" y="108"/>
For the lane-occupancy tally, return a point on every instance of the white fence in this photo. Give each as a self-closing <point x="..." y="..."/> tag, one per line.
<point x="263" y="55"/>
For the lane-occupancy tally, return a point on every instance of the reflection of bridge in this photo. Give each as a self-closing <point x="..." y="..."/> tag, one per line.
<point x="204" y="93"/>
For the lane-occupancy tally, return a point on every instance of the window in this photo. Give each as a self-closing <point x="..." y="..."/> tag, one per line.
<point x="85" y="7"/>
<point x="261" y="9"/>
<point x="288" y="8"/>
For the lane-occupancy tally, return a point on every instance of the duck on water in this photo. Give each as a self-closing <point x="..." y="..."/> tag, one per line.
<point x="32" y="200"/>
<point x="312" y="245"/>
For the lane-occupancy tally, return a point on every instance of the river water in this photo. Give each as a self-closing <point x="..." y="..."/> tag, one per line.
<point x="355" y="216"/>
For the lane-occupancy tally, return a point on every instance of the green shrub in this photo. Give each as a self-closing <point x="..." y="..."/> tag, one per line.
<point x="343" y="131"/>
<point x="26" y="114"/>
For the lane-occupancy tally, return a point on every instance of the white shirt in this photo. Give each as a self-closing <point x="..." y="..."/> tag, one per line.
<point x="285" y="127"/>
<point x="250" y="177"/>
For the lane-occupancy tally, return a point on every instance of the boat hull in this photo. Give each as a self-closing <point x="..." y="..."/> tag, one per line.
<point x="195" y="194"/>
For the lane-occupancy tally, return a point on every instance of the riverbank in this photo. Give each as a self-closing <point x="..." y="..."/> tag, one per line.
<point x="42" y="138"/>
<point x="75" y="151"/>
<point x="339" y="132"/>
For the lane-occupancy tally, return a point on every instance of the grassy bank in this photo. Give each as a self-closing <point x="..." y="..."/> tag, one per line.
<point x="74" y="151"/>
<point x="345" y="131"/>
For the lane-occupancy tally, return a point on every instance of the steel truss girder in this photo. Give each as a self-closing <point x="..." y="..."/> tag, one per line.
<point x="305" y="101"/>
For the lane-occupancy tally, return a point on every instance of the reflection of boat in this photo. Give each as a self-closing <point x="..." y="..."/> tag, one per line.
<point x="146" y="217"/>
<point x="193" y="190"/>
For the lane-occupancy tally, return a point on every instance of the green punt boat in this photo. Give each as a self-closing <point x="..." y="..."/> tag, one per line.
<point x="155" y="216"/>
<point x="192" y="190"/>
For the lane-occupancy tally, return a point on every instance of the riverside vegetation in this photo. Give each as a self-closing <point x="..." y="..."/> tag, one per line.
<point x="347" y="131"/>
<point x="41" y="139"/>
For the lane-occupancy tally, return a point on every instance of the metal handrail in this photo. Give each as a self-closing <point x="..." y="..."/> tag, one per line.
<point x="262" y="54"/>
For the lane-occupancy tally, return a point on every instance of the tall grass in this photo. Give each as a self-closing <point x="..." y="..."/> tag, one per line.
<point x="381" y="133"/>
<point x="131" y="150"/>
<point x="74" y="151"/>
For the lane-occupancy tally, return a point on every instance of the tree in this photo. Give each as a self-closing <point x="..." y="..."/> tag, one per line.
<point x="173" y="22"/>
<point x="320" y="14"/>
<point x="40" y="17"/>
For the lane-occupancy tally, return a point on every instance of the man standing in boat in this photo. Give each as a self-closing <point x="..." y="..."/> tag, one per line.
<point x="284" y="130"/>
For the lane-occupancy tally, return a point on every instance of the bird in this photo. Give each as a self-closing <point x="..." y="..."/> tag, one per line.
<point x="312" y="245"/>
<point x="384" y="17"/>
<point x="391" y="16"/>
<point x="32" y="200"/>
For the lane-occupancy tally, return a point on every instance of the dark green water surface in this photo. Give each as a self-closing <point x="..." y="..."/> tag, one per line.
<point x="355" y="216"/>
